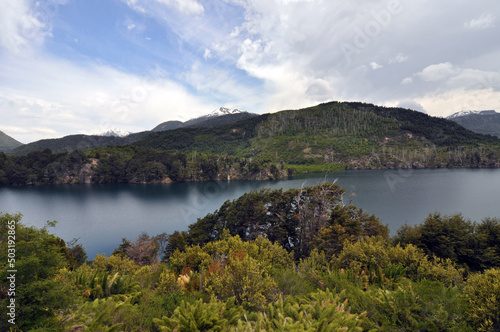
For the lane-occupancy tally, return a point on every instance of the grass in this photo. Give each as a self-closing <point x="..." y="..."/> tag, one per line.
<point x="316" y="168"/>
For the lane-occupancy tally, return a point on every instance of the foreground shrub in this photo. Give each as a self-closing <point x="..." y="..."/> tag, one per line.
<point x="482" y="293"/>
<point x="376" y="254"/>
<point x="469" y="244"/>
<point x="242" y="277"/>
<point x="200" y="316"/>
<point x="97" y="284"/>
<point x="231" y="268"/>
<point x="318" y="311"/>
<point x="117" y="313"/>
<point x="416" y="306"/>
<point x="42" y="287"/>
<point x="115" y="263"/>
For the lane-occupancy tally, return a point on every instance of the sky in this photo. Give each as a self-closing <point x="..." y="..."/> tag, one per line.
<point x="85" y="66"/>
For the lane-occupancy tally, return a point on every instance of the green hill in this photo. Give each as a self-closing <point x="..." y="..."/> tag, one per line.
<point x="75" y="142"/>
<point x="8" y="143"/>
<point x="87" y="142"/>
<point x="352" y="135"/>
<point x="326" y="137"/>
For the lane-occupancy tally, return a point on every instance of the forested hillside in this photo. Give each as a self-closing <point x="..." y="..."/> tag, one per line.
<point x="296" y="260"/>
<point x="8" y="143"/>
<point x="330" y="136"/>
<point x="86" y="142"/>
<point x="130" y="164"/>
<point x="75" y="142"/>
<point x="352" y="135"/>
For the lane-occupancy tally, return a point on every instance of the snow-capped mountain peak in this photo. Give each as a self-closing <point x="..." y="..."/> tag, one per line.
<point x="224" y="111"/>
<point x="116" y="132"/>
<point x="466" y="113"/>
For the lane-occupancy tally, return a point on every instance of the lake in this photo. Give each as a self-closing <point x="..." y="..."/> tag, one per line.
<point x="101" y="215"/>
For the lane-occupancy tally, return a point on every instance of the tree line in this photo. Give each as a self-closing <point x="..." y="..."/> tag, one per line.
<point x="130" y="165"/>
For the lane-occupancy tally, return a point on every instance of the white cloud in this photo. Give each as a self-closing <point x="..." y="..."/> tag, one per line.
<point x="412" y="105"/>
<point x="400" y="58"/>
<point x="485" y="21"/>
<point x="455" y="77"/>
<point x="235" y="32"/>
<point x="260" y="55"/>
<point x="319" y="89"/>
<point x="134" y="5"/>
<point x="474" y="79"/>
<point x="407" y="80"/>
<point x="293" y="48"/>
<point x="375" y="65"/>
<point x="437" y="72"/>
<point x="186" y="7"/>
<point x="22" y="26"/>
<point x="221" y="84"/>
<point x="68" y="99"/>
<point x="207" y="54"/>
<point x="449" y="102"/>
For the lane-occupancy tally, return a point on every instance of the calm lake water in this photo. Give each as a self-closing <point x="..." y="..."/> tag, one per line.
<point x="101" y="215"/>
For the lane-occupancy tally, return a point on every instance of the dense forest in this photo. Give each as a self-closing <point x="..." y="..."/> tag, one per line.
<point x="271" y="260"/>
<point x="332" y="136"/>
<point x="346" y="135"/>
<point x="131" y="164"/>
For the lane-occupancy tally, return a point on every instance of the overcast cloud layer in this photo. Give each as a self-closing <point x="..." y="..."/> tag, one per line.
<point x="84" y="66"/>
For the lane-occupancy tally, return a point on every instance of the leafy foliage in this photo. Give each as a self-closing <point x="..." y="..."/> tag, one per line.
<point x="41" y="289"/>
<point x="374" y="257"/>
<point x="474" y="245"/>
<point x="482" y="293"/>
<point x="211" y="316"/>
<point x="97" y="284"/>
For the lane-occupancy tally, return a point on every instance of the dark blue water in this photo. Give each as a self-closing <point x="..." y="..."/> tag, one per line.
<point x="101" y="215"/>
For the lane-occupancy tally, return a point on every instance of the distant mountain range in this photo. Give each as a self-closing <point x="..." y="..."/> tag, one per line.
<point x="8" y="143"/>
<point x="218" y="117"/>
<point x="115" y="132"/>
<point x="114" y="137"/>
<point x="482" y="122"/>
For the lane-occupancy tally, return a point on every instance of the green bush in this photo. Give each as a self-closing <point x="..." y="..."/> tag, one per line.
<point x="212" y="316"/>
<point x="318" y="311"/>
<point x="482" y="293"/>
<point x="42" y="290"/>
<point x="416" y="306"/>
<point x="242" y="277"/>
<point x="375" y="254"/>
<point x="97" y="284"/>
